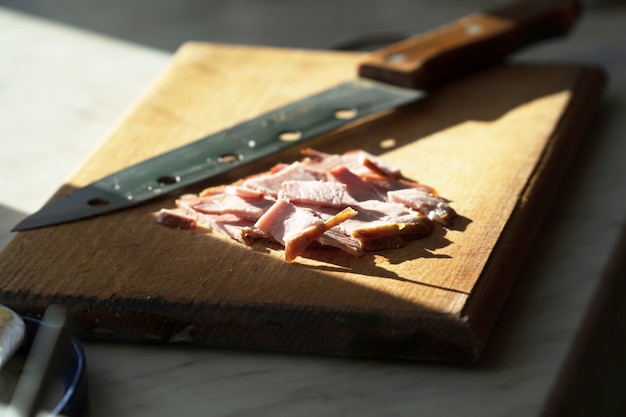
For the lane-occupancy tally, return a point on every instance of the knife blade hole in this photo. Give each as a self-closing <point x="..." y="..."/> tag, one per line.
<point x="168" y="180"/>
<point x="228" y="158"/>
<point x="290" y="136"/>
<point x="387" y="143"/>
<point x="346" y="114"/>
<point x="98" y="202"/>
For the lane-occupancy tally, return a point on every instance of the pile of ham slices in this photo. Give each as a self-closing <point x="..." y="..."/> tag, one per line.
<point x="355" y="202"/>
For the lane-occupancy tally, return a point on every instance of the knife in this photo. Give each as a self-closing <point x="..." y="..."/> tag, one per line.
<point x="389" y="78"/>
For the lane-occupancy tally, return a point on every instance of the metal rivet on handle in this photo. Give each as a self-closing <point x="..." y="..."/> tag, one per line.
<point x="396" y="58"/>
<point x="473" y="29"/>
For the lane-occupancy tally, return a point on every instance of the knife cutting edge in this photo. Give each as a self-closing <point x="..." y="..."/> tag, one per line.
<point x="389" y="78"/>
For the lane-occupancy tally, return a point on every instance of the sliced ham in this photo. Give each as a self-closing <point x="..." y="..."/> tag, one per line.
<point x="385" y="184"/>
<point x="246" y="208"/>
<point x="436" y="208"/>
<point x="176" y="219"/>
<point x="228" y="224"/>
<point x="243" y="192"/>
<point x="355" y="202"/>
<point x="296" y="227"/>
<point x="376" y="164"/>
<point x="319" y="193"/>
<point x="357" y="161"/>
<point x="298" y="244"/>
<point x="337" y="238"/>
<point x="356" y="188"/>
<point x="376" y="221"/>
<point x="271" y="182"/>
<point x="284" y="220"/>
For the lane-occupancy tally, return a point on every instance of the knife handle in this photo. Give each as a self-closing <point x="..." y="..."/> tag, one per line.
<point x="469" y="44"/>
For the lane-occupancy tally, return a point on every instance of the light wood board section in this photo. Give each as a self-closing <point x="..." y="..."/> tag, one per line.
<point x="495" y="143"/>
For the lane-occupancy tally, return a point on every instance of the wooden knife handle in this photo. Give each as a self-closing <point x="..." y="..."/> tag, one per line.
<point x="469" y="44"/>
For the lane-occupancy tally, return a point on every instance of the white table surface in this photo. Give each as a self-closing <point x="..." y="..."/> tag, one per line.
<point x="62" y="90"/>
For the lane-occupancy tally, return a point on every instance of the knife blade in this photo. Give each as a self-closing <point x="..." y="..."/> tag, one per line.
<point x="389" y="78"/>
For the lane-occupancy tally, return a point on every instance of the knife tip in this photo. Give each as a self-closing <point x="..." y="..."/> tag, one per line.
<point x="22" y="226"/>
<point x="31" y="222"/>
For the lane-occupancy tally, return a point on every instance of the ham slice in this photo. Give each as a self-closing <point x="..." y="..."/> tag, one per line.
<point x="317" y="193"/>
<point x="295" y="246"/>
<point x="356" y="188"/>
<point x="176" y="218"/>
<point x="247" y="208"/>
<point x="284" y="221"/>
<point x="357" y="161"/>
<point x="271" y="182"/>
<point x="296" y="227"/>
<point x="437" y="209"/>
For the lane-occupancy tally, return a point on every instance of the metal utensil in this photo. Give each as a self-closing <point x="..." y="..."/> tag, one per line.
<point x="41" y="366"/>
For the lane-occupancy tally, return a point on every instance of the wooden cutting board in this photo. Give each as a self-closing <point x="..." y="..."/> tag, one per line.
<point x="495" y="143"/>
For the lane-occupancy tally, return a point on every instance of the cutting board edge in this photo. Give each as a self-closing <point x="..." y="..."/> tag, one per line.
<point x="417" y="335"/>
<point x="510" y="251"/>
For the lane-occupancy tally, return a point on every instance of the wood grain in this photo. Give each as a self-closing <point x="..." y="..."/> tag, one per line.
<point x="495" y="143"/>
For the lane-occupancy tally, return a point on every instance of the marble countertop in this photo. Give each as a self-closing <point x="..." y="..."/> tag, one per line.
<point x="63" y="89"/>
